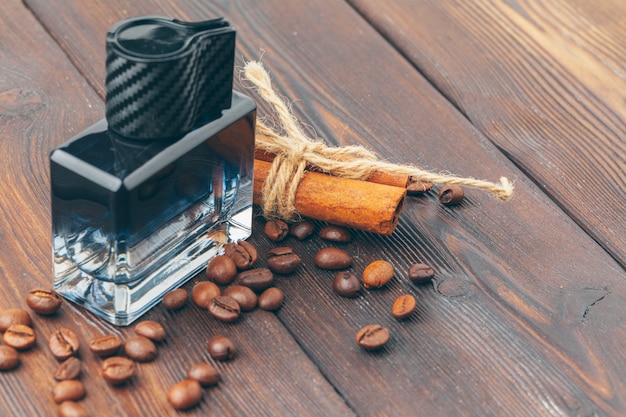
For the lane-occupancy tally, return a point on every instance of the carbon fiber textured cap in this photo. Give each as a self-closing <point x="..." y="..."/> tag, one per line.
<point x="166" y="77"/>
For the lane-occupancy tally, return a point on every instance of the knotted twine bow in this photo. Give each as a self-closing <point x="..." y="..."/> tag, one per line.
<point x="295" y="150"/>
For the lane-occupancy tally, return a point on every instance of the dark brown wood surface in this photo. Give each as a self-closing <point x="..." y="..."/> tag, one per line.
<point x="525" y="316"/>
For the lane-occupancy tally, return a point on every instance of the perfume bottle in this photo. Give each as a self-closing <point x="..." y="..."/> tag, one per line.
<point x="143" y="199"/>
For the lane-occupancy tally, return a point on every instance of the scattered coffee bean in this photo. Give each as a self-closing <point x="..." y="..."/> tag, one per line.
<point x="372" y="337"/>
<point x="68" y="390"/>
<point x="63" y="343"/>
<point x="224" y="308"/>
<point x="451" y="194"/>
<point x="175" y="299"/>
<point x="185" y="394"/>
<point x="346" y="284"/>
<point x="403" y="307"/>
<point x="335" y="234"/>
<point x="106" y="345"/>
<point x="257" y="279"/>
<point x="206" y="374"/>
<point x="301" y="230"/>
<point x="242" y="253"/>
<point x="68" y="369"/>
<point x="271" y="299"/>
<point x="72" y="409"/>
<point x="117" y="369"/>
<point x="377" y="274"/>
<point x="221" y="348"/>
<point x="203" y="292"/>
<point x="283" y="260"/>
<point x="332" y="258"/>
<point x="245" y="297"/>
<point x="9" y="358"/>
<point x="415" y="187"/>
<point x="19" y="336"/>
<point x="11" y="316"/>
<point x="221" y="269"/>
<point x="44" y="302"/>
<point x="276" y="230"/>
<point x="150" y="329"/>
<point x="420" y="273"/>
<point x="140" y="349"/>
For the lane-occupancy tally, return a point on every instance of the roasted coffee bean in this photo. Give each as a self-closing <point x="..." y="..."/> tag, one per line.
<point x="63" y="343"/>
<point x="72" y="409"/>
<point x="151" y="329"/>
<point x="11" y="316"/>
<point x="68" y="369"/>
<point x="242" y="253"/>
<point x="221" y="348"/>
<point x="415" y="187"/>
<point x="346" y="284"/>
<point x="106" y="345"/>
<point x="221" y="269"/>
<point x="335" y="234"/>
<point x="245" y="297"/>
<point x="206" y="374"/>
<point x="451" y="194"/>
<point x="283" y="260"/>
<point x="68" y="390"/>
<point x="377" y="274"/>
<point x="332" y="258"/>
<point x="117" y="369"/>
<point x="301" y="230"/>
<point x="44" y="302"/>
<point x="9" y="358"/>
<point x="140" y="349"/>
<point x="271" y="299"/>
<point x="257" y="279"/>
<point x="420" y="273"/>
<point x="185" y="394"/>
<point x="19" y="336"/>
<point x="276" y="230"/>
<point x="203" y="292"/>
<point x="175" y="299"/>
<point x="224" y="308"/>
<point x="403" y="307"/>
<point x="372" y="337"/>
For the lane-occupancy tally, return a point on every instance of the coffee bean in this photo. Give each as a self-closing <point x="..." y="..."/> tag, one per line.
<point x="335" y="234"/>
<point x="151" y="329"/>
<point x="140" y="349"/>
<point x="283" y="260"/>
<point x="9" y="358"/>
<point x="68" y="390"/>
<point x="224" y="308"/>
<point x="106" y="345"/>
<point x="185" y="394"/>
<point x="203" y="292"/>
<point x="117" y="369"/>
<point x="301" y="230"/>
<point x="332" y="258"/>
<point x="72" y="409"/>
<point x="11" y="316"/>
<point x="206" y="374"/>
<point x="372" y="337"/>
<point x="44" y="302"/>
<point x="415" y="187"/>
<point x="68" y="369"/>
<point x="222" y="270"/>
<point x="19" y="336"/>
<point x="245" y="297"/>
<point x="451" y="194"/>
<point x="271" y="299"/>
<point x="257" y="279"/>
<point x="175" y="299"/>
<point x="420" y="273"/>
<point x="242" y="253"/>
<point x="377" y="274"/>
<point x="346" y="284"/>
<point x="221" y="348"/>
<point x="63" y="343"/>
<point x="276" y="230"/>
<point x="403" y="307"/>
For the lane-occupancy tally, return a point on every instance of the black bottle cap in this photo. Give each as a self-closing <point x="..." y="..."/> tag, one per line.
<point x="166" y="77"/>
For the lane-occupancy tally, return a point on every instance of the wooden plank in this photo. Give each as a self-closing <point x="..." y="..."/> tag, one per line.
<point x="525" y="314"/>
<point x="543" y="80"/>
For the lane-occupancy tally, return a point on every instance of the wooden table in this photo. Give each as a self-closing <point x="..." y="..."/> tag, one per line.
<point x="526" y="313"/>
